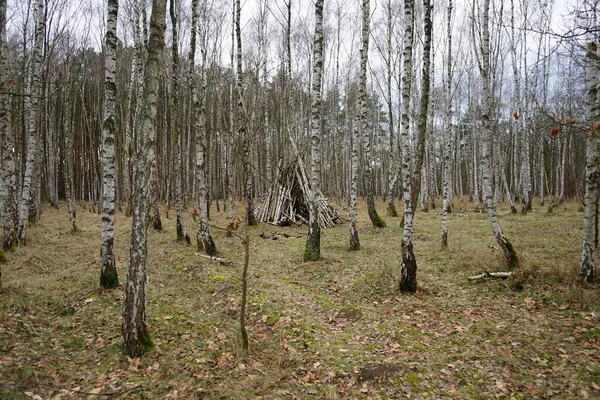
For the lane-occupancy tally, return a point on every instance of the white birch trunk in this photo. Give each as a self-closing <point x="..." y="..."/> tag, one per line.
<point x="587" y="267"/>
<point x="134" y="327"/>
<point x="204" y="239"/>
<point x="364" y="118"/>
<point x="108" y="268"/>
<point x="8" y="179"/>
<point x="393" y="156"/>
<point x="180" y="227"/>
<point x="354" y="238"/>
<point x="486" y="150"/>
<point x="312" y="251"/>
<point x="408" y="271"/>
<point x="31" y="104"/>
<point x="448" y="135"/>
<point x="69" y="182"/>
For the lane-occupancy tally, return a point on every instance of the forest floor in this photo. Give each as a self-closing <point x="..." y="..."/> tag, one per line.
<point x="337" y="328"/>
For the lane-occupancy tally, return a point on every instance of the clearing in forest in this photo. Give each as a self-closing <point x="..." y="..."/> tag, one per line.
<point x="336" y="328"/>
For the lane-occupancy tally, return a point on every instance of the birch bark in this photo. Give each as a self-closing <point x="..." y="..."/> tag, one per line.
<point x="31" y="104"/>
<point x="587" y="267"/>
<point x="180" y="227"/>
<point x="448" y="136"/>
<point x="136" y="337"/>
<point x="408" y="271"/>
<point x="8" y="183"/>
<point x="108" y="269"/>
<point x="312" y="251"/>
<point x="204" y="239"/>
<point x="508" y="250"/>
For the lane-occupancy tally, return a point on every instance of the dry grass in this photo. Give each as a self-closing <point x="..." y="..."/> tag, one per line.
<point x="336" y="328"/>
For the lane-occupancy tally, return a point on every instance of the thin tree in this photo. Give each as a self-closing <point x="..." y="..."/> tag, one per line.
<point x="508" y="250"/>
<point x="243" y="132"/>
<point x="108" y="269"/>
<point x="408" y="271"/>
<point x="8" y="183"/>
<point x="424" y="106"/>
<point x="136" y="337"/>
<point x="364" y="119"/>
<point x="312" y="251"/>
<point x="31" y="109"/>
<point x="204" y="239"/>
<point x="587" y="268"/>
<point x="448" y="136"/>
<point x="392" y="157"/>
<point x="177" y="136"/>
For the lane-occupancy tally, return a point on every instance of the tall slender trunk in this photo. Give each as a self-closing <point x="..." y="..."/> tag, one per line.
<point x="587" y="267"/>
<point x="364" y="118"/>
<point x="108" y="269"/>
<point x="31" y="105"/>
<point x="180" y="227"/>
<point x="312" y="251"/>
<point x="69" y="164"/>
<point x="392" y="156"/>
<point x="424" y="106"/>
<point x="508" y="250"/>
<point x="230" y="140"/>
<point x="8" y="183"/>
<point x="408" y="271"/>
<point x="243" y="132"/>
<point x="134" y="327"/>
<point x="448" y="136"/>
<point x="354" y="238"/>
<point x="204" y="239"/>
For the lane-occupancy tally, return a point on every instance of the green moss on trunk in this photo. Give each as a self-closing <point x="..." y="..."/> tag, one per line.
<point x="391" y="210"/>
<point x="140" y="346"/>
<point x="109" y="278"/>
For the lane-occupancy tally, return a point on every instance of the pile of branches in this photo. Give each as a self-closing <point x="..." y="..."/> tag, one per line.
<point x="287" y="201"/>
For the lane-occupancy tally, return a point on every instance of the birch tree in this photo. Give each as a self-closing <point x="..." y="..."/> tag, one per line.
<point x="204" y="239"/>
<point x="31" y="105"/>
<point x="177" y="136"/>
<point x="364" y="119"/>
<point x="424" y="106"/>
<point x="448" y="135"/>
<point x="487" y="110"/>
<point x="8" y="179"/>
<point x="136" y="337"/>
<point x="69" y="179"/>
<point x="243" y="131"/>
<point x="392" y="156"/>
<point x="312" y="251"/>
<point x="108" y="269"/>
<point x="587" y="268"/>
<point x="408" y="271"/>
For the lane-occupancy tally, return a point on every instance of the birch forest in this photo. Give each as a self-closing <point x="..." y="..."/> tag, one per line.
<point x="299" y="199"/>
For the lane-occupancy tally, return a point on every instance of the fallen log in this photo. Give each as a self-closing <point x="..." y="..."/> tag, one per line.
<point x="490" y="275"/>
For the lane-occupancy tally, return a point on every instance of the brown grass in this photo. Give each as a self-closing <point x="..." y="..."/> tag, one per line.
<point x="315" y="328"/>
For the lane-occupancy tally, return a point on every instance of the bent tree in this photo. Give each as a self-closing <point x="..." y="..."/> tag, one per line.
<point x="108" y="269"/>
<point x="508" y="250"/>
<point x="136" y="338"/>
<point x="587" y="268"/>
<point x="312" y="251"/>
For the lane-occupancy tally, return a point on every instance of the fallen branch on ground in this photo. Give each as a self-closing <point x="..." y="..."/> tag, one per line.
<point x="219" y="259"/>
<point x="490" y="275"/>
